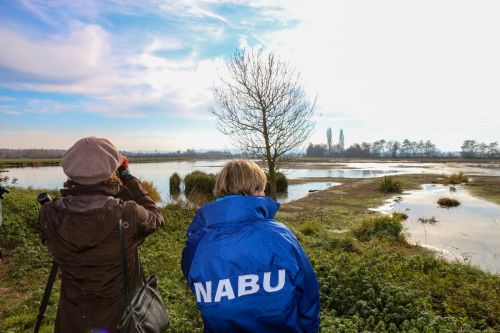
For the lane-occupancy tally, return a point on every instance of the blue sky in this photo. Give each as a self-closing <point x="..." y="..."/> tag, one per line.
<point x="140" y="72"/>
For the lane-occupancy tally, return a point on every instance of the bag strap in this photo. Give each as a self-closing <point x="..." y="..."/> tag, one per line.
<point x="124" y="265"/>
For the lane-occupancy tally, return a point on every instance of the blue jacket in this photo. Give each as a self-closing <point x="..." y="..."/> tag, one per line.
<point x="247" y="271"/>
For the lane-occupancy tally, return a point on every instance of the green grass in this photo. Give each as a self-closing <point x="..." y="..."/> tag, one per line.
<point x="371" y="279"/>
<point x="389" y="184"/>
<point x="487" y="187"/>
<point x="18" y="163"/>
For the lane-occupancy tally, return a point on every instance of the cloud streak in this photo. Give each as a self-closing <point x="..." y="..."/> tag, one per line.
<point x="387" y="68"/>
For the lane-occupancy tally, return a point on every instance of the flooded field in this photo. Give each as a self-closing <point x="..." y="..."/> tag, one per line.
<point x="469" y="232"/>
<point x="159" y="173"/>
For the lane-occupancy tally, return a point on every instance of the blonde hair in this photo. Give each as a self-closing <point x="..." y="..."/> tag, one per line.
<point x="240" y="177"/>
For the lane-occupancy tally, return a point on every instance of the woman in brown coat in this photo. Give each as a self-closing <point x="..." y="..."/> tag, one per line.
<point x="82" y="233"/>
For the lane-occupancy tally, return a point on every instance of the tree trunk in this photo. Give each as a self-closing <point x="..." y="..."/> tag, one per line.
<point x="272" y="179"/>
<point x="270" y="162"/>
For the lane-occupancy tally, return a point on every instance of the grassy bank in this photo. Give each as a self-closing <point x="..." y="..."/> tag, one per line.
<point x="486" y="187"/>
<point x="371" y="279"/>
<point x="18" y="163"/>
<point x="21" y="163"/>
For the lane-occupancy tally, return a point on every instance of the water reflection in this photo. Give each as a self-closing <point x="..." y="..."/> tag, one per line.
<point x="52" y="177"/>
<point x="469" y="232"/>
<point x="301" y="190"/>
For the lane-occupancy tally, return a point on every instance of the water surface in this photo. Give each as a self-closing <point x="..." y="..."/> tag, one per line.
<point x="469" y="233"/>
<point x="52" y="177"/>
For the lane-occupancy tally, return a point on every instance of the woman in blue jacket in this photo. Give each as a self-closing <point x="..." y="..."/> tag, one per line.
<point x="247" y="271"/>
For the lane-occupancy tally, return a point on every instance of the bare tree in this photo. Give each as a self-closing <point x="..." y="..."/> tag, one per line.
<point x="262" y="106"/>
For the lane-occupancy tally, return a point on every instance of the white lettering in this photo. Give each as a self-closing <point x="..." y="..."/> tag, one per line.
<point x="224" y="289"/>
<point x="205" y="292"/>
<point x="267" y="281"/>
<point x="247" y="284"/>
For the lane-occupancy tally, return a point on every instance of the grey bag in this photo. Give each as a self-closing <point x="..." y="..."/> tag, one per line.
<point x="145" y="313"/>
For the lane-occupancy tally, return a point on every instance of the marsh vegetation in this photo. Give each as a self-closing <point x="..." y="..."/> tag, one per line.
<point x="371" y="278"/>
<point x="389" y="184"/>
<point x="455" y="178"/>
<point x="448" y="202"/>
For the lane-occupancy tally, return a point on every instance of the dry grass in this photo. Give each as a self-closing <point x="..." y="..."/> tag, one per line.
<point x="456" y="178"/>
<point x="152" y="190"/>
<point x="428" y="220"/>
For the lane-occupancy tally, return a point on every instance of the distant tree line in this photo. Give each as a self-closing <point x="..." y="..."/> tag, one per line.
<point x="474" y="149"/>
<point x="406" y="148"/>
<point x="186" y="153"/>
<point x="30" y="153"/>
<point x="58" y="153"/>
<point x="379" y="148"/>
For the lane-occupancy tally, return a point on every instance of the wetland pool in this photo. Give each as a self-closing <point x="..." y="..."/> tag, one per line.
<point x="469" y="233"/>
<point x="52" y="177"/>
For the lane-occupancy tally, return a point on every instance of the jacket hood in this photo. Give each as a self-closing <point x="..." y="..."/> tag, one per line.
<point x="238" y="208"/>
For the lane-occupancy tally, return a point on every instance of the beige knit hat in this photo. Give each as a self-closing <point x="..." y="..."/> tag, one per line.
<point x="90" y="161"/>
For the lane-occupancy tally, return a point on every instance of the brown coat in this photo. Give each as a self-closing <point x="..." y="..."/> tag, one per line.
<point x="83" y="235"/>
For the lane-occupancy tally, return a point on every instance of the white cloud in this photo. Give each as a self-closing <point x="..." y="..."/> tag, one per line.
<point x="10" y="112"/>
<point x="80" y="54"/>
<point x="388" y="68"/>
<point x="51" y="11"/>
<point x="116" y="85"/>
<point x="423" y="66"/>
<point x="191" y="8"/>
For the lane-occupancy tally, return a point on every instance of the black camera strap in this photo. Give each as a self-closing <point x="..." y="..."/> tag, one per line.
<point x="46" y="296"/>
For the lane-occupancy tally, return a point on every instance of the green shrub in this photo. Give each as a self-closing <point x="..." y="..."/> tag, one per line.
<point x="281" y="183"/>
<point x="152" y="190"/>
<point x="175" y="183"/>
<point x="447" y="202"/>
<point x="381" y="227"/>
<point x="390" y="185"/>
<point x="345" y="244"/>
<point x="198" y="182"/>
